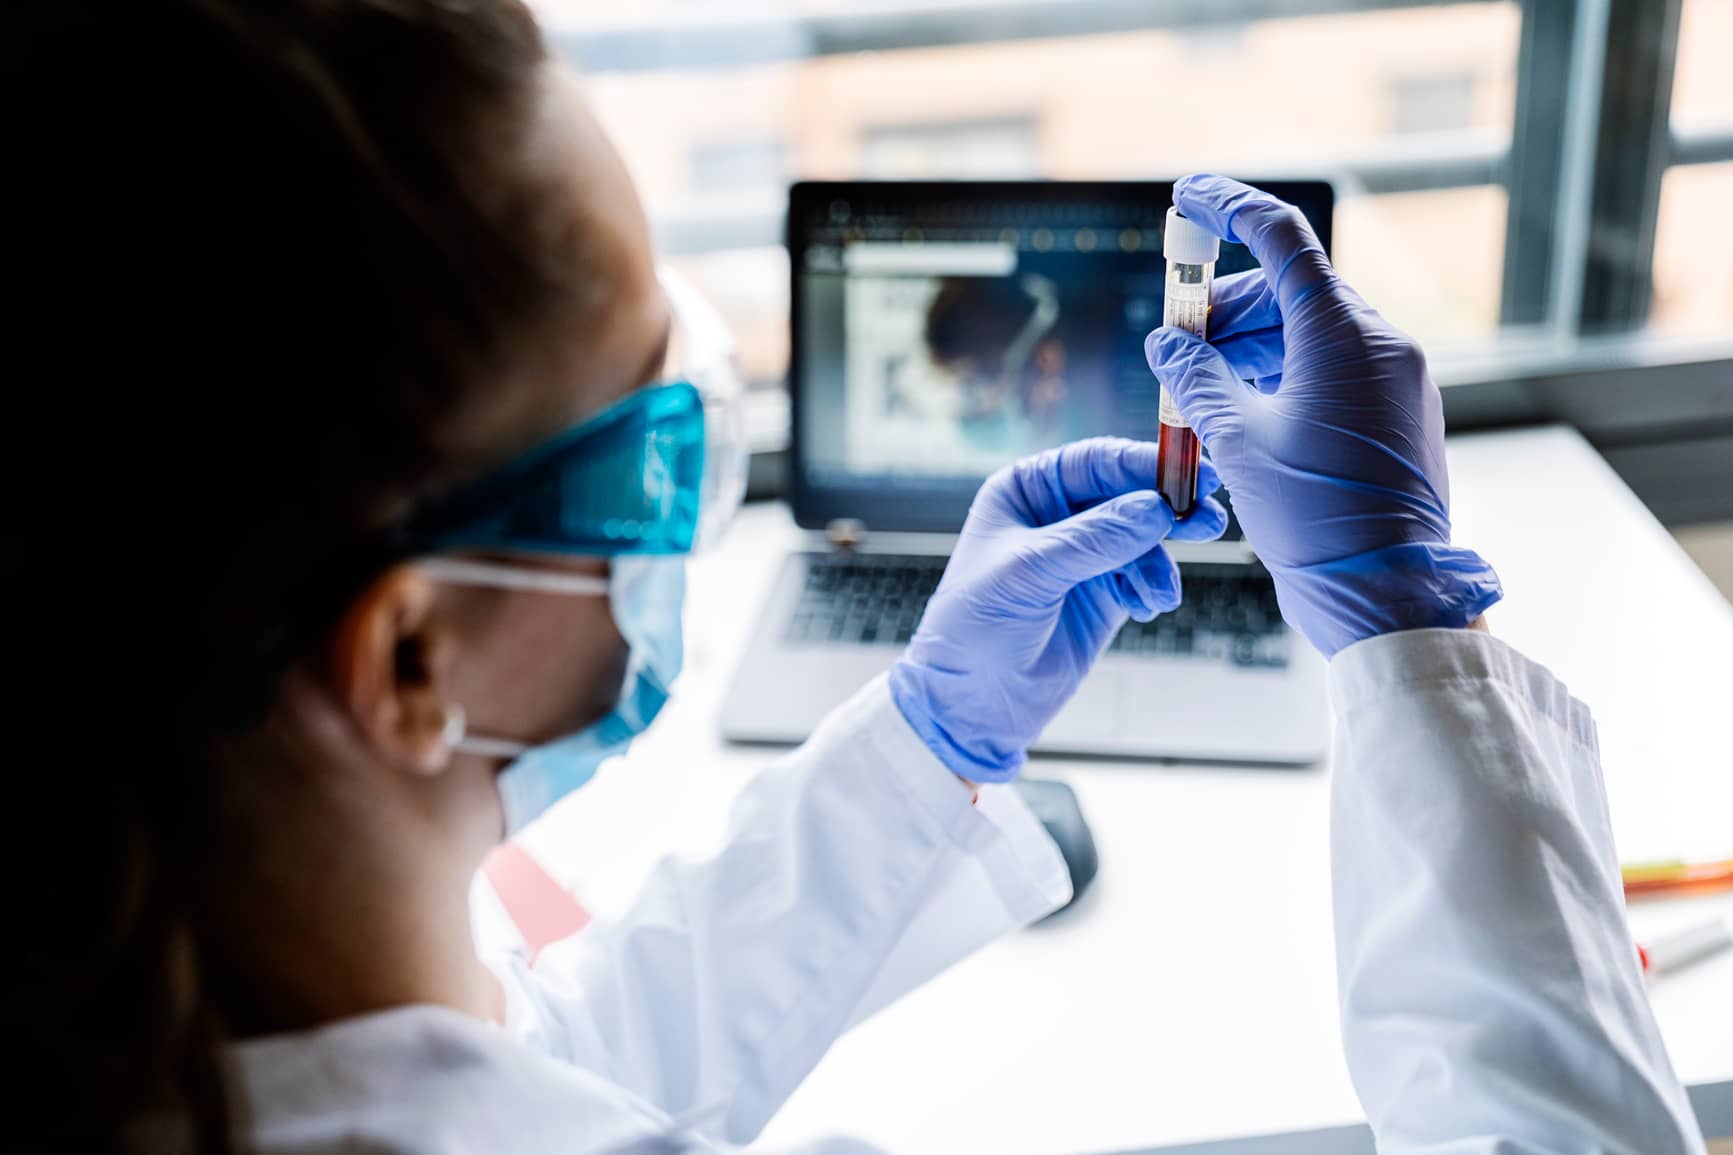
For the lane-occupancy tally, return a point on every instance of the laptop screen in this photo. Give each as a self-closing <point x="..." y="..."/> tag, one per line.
<point x="941" y="330"/>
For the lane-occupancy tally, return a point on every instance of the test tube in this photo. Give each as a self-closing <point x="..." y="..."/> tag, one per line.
<point x="1191" y="253"/>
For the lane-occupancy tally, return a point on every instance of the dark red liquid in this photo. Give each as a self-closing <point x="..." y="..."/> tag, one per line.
<point x="1176" y="460"/>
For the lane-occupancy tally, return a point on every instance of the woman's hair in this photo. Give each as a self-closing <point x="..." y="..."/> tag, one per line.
<point x="271" y="255"/>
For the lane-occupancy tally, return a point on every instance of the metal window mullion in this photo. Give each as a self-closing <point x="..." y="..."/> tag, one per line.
<point x="1632" y="148"/>
<point x="1701" y="146"/>
<point x="1547" y="58"/>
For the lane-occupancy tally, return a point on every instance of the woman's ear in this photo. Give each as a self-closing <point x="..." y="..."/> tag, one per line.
<point x="389" y="664"/>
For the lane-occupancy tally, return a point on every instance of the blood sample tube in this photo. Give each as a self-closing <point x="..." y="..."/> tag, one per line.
<point x="1191" y="253"/>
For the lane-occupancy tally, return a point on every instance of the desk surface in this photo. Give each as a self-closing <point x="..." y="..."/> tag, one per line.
<point x="1176" y="1005"/>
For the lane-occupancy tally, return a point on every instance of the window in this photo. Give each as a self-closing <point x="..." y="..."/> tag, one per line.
<point x="1089" y="93"/>
<point x="1433" y="102"/>
<point x="1693" y="263"/>
<point x="1431" y="260"/>
<point x="737" y="164"/>
<point x="989" y="147"/>
<point x="1693" y="293"/>
<point x="1702" y="82"/>
<point x="1504" y="192"/>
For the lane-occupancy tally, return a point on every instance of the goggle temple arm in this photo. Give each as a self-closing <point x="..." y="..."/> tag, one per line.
<point x="463" y="571"/>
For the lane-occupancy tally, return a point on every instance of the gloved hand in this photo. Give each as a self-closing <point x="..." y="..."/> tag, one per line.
<point x="1335" y="457"/>
<point x="1058" y="550"/>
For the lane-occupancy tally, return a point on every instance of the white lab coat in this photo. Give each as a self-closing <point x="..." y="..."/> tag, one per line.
<point x="1491" y="1000"/>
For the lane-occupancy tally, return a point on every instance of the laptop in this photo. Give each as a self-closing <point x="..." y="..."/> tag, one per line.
<point x="941" y="330"/>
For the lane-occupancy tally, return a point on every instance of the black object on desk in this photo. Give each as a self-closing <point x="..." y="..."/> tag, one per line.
<point x="1055" y="804"/>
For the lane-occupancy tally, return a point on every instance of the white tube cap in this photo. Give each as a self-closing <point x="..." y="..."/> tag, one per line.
<point x="1187" y="242"/>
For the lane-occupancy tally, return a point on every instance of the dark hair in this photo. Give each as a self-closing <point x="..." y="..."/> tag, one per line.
<point x="274" y="251"/>
<point x="976" y="317"/>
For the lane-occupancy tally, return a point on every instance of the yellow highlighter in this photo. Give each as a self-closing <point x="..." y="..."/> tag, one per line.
<point x="1677" y="877"/>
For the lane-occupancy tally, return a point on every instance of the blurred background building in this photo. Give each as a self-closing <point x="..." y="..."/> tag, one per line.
<point x="1412" y="108"/>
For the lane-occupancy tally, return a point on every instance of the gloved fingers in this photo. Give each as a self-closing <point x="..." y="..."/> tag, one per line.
<point x="1210" y="518"/>
<point x="1208" y="390"/>
<point x="1255" y="354"/>
<point x="1059" y="482"/>
<point x="1150" y="585"/>
<point x="1276" y="232"/>
<point x="1129" y="590"/>
<point x="1246" y="325"/>
<point x="1209" y="479"/>
<point x="1208" y="521"/>
<point x="1147" y="586"/>
<point x="1097" y="541"/>
<point x="1242" y="303"/>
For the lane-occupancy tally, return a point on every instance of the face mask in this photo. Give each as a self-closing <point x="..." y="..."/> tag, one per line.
<point x="646" y="593"/>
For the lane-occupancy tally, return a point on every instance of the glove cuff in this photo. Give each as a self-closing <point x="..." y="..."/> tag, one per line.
<point x="1400" y="587"/>
<point x="908" y="685"/>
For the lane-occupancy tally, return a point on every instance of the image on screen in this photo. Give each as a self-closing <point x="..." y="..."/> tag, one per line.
<point x="941" y="341"/>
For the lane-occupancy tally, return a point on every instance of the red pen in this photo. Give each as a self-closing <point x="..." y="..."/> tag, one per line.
<point x="1681" y="948"/>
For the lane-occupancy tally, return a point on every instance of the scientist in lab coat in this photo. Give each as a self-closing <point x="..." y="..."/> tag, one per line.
<point x="351" y="538"/>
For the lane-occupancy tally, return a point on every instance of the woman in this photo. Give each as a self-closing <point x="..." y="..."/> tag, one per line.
<point x="360" y="450"/>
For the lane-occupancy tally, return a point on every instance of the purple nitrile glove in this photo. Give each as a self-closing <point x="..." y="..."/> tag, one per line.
<point x="1327" y="430"/>
<point x="1057" y="552"/>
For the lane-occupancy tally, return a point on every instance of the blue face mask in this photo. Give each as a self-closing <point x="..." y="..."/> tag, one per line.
<point x="646" y="594"/>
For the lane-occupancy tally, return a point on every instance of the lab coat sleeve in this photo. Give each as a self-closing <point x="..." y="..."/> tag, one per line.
<point x="1492" y="1000"/>
<point x="854" y="869"/>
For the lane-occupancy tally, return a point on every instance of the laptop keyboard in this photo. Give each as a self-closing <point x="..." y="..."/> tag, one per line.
<point x="1229" y="612"/>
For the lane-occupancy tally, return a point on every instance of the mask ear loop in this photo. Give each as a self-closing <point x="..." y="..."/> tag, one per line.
<point x="456" y="733"/>
<point x="457" y="738"/>
<point x="456" y="726"/>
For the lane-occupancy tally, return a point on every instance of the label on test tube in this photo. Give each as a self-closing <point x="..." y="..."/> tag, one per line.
<point x="1186" y="307"/>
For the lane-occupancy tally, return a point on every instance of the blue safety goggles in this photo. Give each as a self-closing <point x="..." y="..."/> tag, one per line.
<point x="630" y="480"/>
<point x="662" y="471"/>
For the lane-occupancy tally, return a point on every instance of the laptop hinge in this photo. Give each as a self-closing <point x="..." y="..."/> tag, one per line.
<point x="845" y="533"/>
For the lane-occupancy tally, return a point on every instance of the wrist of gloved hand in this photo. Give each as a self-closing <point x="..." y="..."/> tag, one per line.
<point x="924" y="696"/>
<point x="1401" y="587"/>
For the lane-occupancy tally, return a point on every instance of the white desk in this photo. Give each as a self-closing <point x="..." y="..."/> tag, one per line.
<point x="1190" y="995"/>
